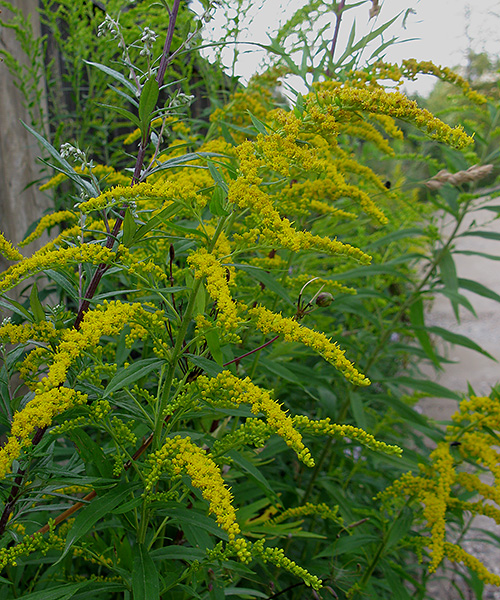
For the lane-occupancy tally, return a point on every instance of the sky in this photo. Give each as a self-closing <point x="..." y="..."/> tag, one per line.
<point x="438" y="30"/>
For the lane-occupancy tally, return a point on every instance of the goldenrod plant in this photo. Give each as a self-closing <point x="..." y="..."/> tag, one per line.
<point x="204" y="375"/>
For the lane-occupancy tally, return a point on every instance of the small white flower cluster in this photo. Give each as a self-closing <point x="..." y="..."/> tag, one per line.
<point x="148" y="38"/>
<point x="180" y="99"/>
<point x="70" y="151"/>
<point x="110" y="24"/>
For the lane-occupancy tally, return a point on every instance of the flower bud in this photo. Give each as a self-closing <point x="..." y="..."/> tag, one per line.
<point x="324" y="299"/>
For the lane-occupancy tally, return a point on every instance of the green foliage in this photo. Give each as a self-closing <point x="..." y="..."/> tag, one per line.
<point x="212" y="374"/>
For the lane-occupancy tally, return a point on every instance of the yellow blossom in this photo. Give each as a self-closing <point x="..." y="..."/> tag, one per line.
<point x="227" y="389"/>
<point x="267" y="321"/>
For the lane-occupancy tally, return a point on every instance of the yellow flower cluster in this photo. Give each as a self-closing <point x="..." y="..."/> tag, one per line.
<point x="436" y="502"/>
<point x="344" y="100"/>
<point x="276" y="556"/>
<point x="321" y="510"/>
<point x="8" y="250"/>
<point x="206" y="265"/>
<point x="278" y="230"/>
<point x="38" y="413"/>
<point x="411" y="68"/>
<point x="180" y="455"/>
<point x="326" y="427"/>
<point x="268" y="321"/>
<point x="471" y="437"/>
<point x="457" y="554"/>
<point x="51" y="399"/>
<point x="37" y="542"/>
<point x="43" y="259"/>
<point x="47" y="222"/>
<point x="44" y="331"/>
<point x="228" y="390"/>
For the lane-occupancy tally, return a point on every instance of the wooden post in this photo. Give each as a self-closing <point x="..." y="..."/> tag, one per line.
<point x="19" y="205"/>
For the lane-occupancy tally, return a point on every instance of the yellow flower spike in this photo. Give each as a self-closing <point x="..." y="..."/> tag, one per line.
<point x="268" y="321"/>
<point x="43" y="259"/>
<point x="347" y="100"/>
<point x="326" y="427"/>
<point x="457" y="554"/>
<point x="8" y="250"/>
<point x="228" y="390"/>
<point x="180" y="455"/>
<point x="47" y="222"/>
<point x="206" y="265"/>
<point x="51" y="399"/>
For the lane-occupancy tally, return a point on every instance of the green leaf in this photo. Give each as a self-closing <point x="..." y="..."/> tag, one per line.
<point x="96" y="510"/>
<point x="253" y="472"/>
<point x="147" y="102"/>
<point x="478" y="288"/>
<point x="265" y="278"/>
<point x="91" y="453"/>
<point x="181" y="161"/>
<point x="127" y="375"/>
<point x="129" y="228"/>
<point x="116" y="75"/>
<point x="394" y="236"/>
<point x="36" y="305"/>
<point x="449" y="277"/>
<point x="124" y="113"/>
<point x="63" y="282"/>
<point x="431" y="388"/>
<point x="213" y="342"/>
<point x="145" y="582"/>
<point x="487" y="235"/>
<point x="418" y="322"/>
<point x="258" y="124"/>
<point x="161" y="217"/>
<point x="475" y="253"/>
<point x="65" y="167"/>
<point x="458" y="340"/>
<point x="358" y="411"/>
<point x="61" y="592"/>
<point x="17" y="308"/>
<point x="216" y="206"/>
<point x="400" y="527"/>
<point x="209" y="366"/>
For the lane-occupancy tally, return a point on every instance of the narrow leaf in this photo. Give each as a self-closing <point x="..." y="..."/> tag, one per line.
<point x="258" y="124"/>
<point x="129" y="228"/>
<point x="213" y="342"/>
<point x="61" y="592"/>
<point x="116" y="75"/>
<point x="478" y="288"/>
<point x="147" y="102"/>
<point x="124" y="113"/>
<point x="145" y="582"/>
<point x="458" y="340"/>
<point x="96" y="510"/>
<point x="36" y="305"/>
<point x="127" y="375"/>
<point x="209" y="366"/>
<point x="418" y="321"/>
<point x="266" y="279"/>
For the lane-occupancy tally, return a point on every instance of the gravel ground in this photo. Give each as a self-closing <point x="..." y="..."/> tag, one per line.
<point x="472" y="368"/>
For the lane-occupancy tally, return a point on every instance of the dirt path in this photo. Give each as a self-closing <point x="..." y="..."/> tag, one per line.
<point x="472" y="368"/>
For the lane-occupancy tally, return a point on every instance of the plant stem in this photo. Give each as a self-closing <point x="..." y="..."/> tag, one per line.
<point x="339" y="9"/>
